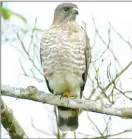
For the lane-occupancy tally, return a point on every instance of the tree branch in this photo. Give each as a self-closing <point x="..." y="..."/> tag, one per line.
<point x="32" y="93"/>
<point x="10" y="123"/>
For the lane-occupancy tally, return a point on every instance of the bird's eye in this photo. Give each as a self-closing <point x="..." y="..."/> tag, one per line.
<point x="66" y="8"/>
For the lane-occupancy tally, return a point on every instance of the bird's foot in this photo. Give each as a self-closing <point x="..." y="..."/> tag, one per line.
<point x="68" y="94"/>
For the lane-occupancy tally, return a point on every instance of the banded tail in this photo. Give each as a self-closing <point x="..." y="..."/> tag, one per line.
<point x="67" y="119"/>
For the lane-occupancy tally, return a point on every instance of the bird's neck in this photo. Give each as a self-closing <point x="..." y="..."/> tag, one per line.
<point x="58" y="19"/>
<point x="65" y="21"/>
<point x="66" y="25"/>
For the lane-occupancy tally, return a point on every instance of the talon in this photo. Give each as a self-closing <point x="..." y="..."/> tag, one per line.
<point x="68" y="94"/>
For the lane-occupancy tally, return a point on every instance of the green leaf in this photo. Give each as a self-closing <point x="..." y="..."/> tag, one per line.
<point x="20" y="16"/>
<point x="6" y="13"/>
<point x="37" y="29"/>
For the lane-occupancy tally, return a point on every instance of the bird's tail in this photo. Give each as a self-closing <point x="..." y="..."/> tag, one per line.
<point x="67" y="119"/>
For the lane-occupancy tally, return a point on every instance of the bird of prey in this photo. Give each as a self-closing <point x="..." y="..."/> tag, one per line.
<point x="65" y="58"/>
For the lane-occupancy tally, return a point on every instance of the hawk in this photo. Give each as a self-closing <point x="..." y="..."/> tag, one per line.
<point x="65" y="58"/>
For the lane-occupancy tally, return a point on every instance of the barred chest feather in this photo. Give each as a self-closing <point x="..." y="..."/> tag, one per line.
<point x="63" y="58"/>
<point x="62" y="50"/>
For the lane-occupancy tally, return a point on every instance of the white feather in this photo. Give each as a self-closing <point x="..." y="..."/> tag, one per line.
<point x="65" y="81"/>
<point x="65" y="113"/>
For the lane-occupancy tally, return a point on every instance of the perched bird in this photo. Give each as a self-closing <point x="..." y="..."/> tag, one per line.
<point x="65" y="57"/>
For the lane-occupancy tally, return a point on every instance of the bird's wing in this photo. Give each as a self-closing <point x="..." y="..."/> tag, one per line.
<point x="42" y="45"/>
<point x="87" y="62"/>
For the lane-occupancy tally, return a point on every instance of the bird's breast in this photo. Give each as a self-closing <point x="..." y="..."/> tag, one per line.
<point x="63" y="52"/>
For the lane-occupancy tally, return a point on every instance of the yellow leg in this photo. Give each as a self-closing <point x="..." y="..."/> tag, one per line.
<point x="68" y="94"/>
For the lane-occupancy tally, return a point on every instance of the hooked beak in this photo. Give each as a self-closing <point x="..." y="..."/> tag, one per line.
<point x="75" y="10"/>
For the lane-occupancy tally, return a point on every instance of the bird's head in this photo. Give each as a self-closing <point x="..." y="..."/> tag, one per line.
<point x="65" y="12"/>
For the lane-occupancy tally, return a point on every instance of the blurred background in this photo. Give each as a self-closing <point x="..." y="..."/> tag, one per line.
<point x="109" y="27"/>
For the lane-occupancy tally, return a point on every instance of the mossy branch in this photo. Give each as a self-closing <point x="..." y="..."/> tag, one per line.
<point x="10" y="123"/>
<point x="32" y="93"/>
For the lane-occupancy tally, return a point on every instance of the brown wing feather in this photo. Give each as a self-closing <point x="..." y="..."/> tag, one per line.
<point x="87" y="61"/>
